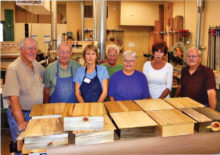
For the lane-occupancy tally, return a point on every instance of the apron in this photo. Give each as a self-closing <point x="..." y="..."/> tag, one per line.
<point x="64" y="89"/>
<point x="91" y="89"/>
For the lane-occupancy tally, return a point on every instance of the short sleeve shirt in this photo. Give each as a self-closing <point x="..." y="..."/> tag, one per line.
<point x="112" y="70"/>
<point x="124" y="87"/>
<point x="51" y="70"/>
<point x="196" y="85"/>
<point x="26" y="83"/>
<point x="101" y="72"/>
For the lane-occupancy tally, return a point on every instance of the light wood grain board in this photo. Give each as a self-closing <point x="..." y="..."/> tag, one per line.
<point x="170" y="117"/>
<point x="33" y="151"/>
<point x="210" y="113"/>
<point x="84" y="109"/>
<point x="196" y="115"/>
<point x="47" y="110"/>
<point x="132" y="119"/>
<point x="122" y="106"/>
<point x="153" y="104"/>
<point x="172" y="122"/>
<point x="183" y="102"/>
<point x="44" y="127"/>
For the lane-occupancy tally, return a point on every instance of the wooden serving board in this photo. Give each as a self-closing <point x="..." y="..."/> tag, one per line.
<point x="202" y="120"/>
<point x="153" y="104"/>
<point x="172" y="122"/>
<point x="210" y="113"/>
<point x="49" y="110"/>
<point x="84" y="116"/>
<point x="96" y="136"/>
<point x="121" y="106"/>
<point x="183" y="102"/>
<point x="44" y="133"/>
<point x="134" y="124"/>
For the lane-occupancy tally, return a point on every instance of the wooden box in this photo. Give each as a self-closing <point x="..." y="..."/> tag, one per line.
<point x="210" y="113"/>
<point x="44" y="133"/>
<point x="153" y="104"/>
<point x="183" y="102"/>
<point x="121" y="106"/>
<point x="201" y="120"/>
<point x="49" y="110"/>
<point x="84" y="116"/>
<point x="96" y="136"/>
<point x="134" y="124"/>
<point x="172" y="122"/>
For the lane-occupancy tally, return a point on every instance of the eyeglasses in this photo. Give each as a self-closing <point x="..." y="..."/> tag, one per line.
<point x="130" y="61"/>
<point x="192" y="56"/>
<point x="65" y="52"/>
<point x="31" y="48"/>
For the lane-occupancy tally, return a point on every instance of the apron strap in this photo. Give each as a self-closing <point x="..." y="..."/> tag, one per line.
<point x="86" y="71"/>
<point x="58" y="69"/>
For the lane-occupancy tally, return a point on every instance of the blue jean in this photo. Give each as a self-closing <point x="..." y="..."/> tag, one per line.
<point x="13" y="124"/>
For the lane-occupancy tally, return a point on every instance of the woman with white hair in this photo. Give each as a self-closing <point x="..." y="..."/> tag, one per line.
<point x="128" y="84"/>
<point x="112" y="52"/>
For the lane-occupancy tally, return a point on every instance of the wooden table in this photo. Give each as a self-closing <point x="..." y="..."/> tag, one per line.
<point x="199" y="143"/>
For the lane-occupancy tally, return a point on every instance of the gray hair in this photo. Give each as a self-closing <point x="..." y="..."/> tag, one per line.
<point x="195" y="49"/>
<point x="112" y="47"/>
<point x="129" y="53"/>
<point x="65" y="43"/>
<point x="22" y="42"/>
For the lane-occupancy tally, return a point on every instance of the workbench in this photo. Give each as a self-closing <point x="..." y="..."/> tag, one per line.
<point x="198" y="143"/>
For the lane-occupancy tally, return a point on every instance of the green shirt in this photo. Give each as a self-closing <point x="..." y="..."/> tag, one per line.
<point x="112" y="70"/>
<point x="50" y="74"/>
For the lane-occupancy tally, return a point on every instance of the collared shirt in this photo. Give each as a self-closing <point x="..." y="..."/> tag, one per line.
<point x="25" y="83"/>
<point x="196" y="85"/>
<point x="112" y="70"/>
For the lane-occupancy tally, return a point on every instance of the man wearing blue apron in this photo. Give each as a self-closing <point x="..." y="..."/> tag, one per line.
<point x="59" y="75"/>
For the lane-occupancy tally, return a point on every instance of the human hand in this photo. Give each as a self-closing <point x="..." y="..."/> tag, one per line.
<point x="22" y="126"/>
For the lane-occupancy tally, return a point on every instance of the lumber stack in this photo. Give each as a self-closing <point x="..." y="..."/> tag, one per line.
<point x="44" y="133"/>
<point x="153" y="104"/>
<point x="121" y="106"/>
<point x="50" y="110"/>
<point x="172" y="122"/>
<point x="183" y="102"/>
<point x="84" y="116"/>
<point x="96" y="136"/>
<point x="134" y="124"/>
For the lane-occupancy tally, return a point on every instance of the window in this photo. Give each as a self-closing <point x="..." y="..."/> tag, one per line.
<point x="88" y="11"/>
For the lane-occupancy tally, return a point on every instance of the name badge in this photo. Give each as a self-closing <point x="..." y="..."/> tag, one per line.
<point x="87" y="80"/>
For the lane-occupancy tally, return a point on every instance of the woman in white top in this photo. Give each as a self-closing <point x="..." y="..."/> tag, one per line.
<point x="159" y="73"/>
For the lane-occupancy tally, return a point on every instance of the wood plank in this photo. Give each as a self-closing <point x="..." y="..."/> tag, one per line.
<point x="183" y="102"/>
<point x="24" y="151"/>
<point x="132" y="119"/>
<point x="210" y="113"/>
<point x="153" y="104"/>
<point x="121" y="106"/>
<point x="47" y="110"/>
<point x="170" y="117"/>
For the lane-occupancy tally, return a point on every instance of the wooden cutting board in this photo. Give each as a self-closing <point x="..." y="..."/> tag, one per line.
<point x="210" y="113"/>
<point x="96" y="136"/>
<point x="44" y="133"/>
<point x="134" y="124"/>
<point x="202" y="120"/>
<point x="183" y="102"/>
<point x="47" y="110"/>
<point x="153" y="104"/>
<point x="84" y="116"/>
<point x="172" y="122"/>
<point x="121" y="106"/>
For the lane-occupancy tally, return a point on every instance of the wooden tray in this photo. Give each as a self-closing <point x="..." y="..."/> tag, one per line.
<point x="210" y="113"/>
<point x="44" y="133"/>
<point x="172" y="122"/>
<point x="202" y="120"/>
<point x="121" y="106"/>
<point x="96" y="136"/>
<point x="153" y="104"/>
<point x="134" y="124"/>
<point x="183" y="102"/>
<point x="49" y="110"/>
<point x="84" y="116"/>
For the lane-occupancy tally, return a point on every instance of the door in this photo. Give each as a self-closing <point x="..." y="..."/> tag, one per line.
<point x="9" y="25"/>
